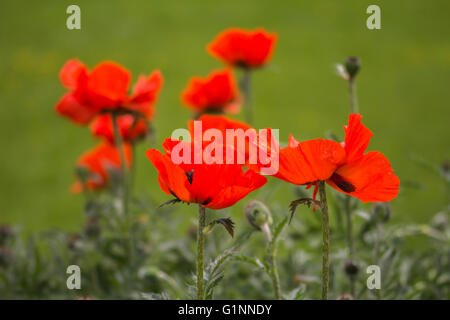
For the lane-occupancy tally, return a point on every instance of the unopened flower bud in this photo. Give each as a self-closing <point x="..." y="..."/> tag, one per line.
<point x="258" y="214"/>
<point x="351" y="269"/>
<point x="259" y="217"/>
<point x="381" y="212"/>
<point x="352" y="66"/>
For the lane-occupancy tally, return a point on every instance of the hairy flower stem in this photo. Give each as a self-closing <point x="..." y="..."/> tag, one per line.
<point x="200" y="247"/>
<point x="326" y="239"/>
<point x="272" y="254"/>
<point x="246" y="90"/>
<point x="349" y="218"/>
<point x="353" y="98"/>
<point x="119" y="145"/>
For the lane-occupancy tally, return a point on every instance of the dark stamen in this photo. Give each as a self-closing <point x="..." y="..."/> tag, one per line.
<point x="342" y="183"/>
<point x="190" y="175"/>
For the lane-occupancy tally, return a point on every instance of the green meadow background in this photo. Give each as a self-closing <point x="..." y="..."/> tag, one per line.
<point x="403" y="88"/>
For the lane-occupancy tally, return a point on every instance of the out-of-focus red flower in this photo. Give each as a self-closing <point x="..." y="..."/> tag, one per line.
<point x="214" y="186"/>
<point x="97" y="162"/>
<point x="104" y="88"/>
<point x="145" y="94"/>
<point x="215" y="93"/>
<point x="366" y="176"/>
<point x="243" y="48"/>
<point x="131" y="128"/>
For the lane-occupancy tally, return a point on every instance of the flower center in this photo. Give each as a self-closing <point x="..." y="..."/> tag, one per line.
<point x="342" y="183"/>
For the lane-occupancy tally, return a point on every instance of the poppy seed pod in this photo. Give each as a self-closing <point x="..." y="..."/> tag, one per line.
<point x="352" y="66"/>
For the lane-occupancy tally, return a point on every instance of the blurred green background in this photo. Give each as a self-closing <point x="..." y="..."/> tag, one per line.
<point x="403" y="87"/>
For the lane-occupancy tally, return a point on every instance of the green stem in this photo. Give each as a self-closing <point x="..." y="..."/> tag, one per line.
<point x="246" y="90"/>
<point x="353" y="98"/>
<point x="272" y="251"/>
<point x="348" y="214"/>
<point x="326" y="239"/>
<point x="124" y="192"/>
<point x="200" y="247"/>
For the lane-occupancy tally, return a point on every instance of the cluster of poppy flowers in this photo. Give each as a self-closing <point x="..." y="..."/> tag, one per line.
<point x="96" y="96"/>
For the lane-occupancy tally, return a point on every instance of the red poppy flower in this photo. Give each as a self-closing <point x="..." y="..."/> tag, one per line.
<point x="131" y="128"/>
<point x="98" y="161"/>
<point x="243" y="48"/>
<point x="214" y="186"/>
<point x="366" y="176"/>
<point x="216" y="92"/>
<point x="104" y="88"/>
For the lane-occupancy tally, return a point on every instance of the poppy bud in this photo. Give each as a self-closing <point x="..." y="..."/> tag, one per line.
<point x="381" y="212"/>
<point x="258" y="214"/>
<point x="259" y="217"/>
<point x="351" y="269"/>
<point x="5" y="257"/>
<point x="5" y="234"/>
<point x="352" y="66"/>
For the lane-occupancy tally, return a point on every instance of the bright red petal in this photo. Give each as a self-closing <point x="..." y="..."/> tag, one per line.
<point x="310" y="161"/>
<point x="357" y="137"/>
<point x="69" y="107"/>
<point x="216" y="91"/>
<point x="243" y="184"/>
<point x="145" y="94"/>
<point x="369" y="179"/>
<point x="108" y="85"/>
<point x="70" y="73"/>
<point x="172" y="179"/>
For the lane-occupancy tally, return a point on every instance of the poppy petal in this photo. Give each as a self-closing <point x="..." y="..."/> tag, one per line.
<point x="69" y="107"/>
<point x="172" y="178"/>
<point x="369" y="179"/>
<point x="145" y="94"/>
<point x="70" y="73"/>
<point x="108" y="84"/>
<point x="357" y="137"/>
<point x="310" y="161"/>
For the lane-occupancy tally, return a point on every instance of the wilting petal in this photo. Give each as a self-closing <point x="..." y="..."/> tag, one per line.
<point x="357" y="137"/>
<point x="310" y="161"/>
<point x="69" y="107"/>
<point x="369" y="179"/>
<point x="71" y="72"/>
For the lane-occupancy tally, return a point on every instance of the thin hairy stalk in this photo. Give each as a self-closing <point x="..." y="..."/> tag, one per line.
<point x="349" y="229"/>
<point x="124" y="192"/>
<point x="353" y="97"/>
<point x="200" y="248"/>
<point x="273" y="272"/>
<point x="326" y="239"/>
